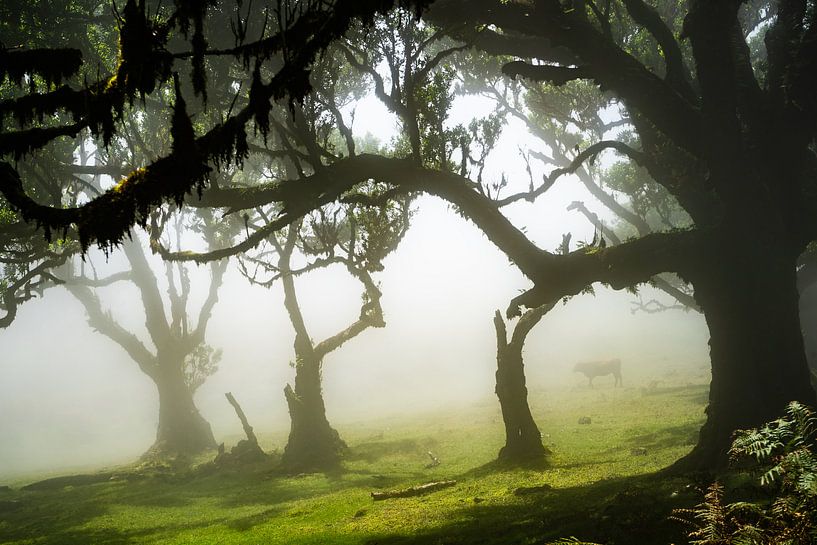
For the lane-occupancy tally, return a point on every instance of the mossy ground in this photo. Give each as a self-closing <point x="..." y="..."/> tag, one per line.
<point x="603" y="476"/>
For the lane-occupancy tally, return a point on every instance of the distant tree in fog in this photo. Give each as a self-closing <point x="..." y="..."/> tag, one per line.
<point x="179" y="360"/>
<point x="356" y="239"/>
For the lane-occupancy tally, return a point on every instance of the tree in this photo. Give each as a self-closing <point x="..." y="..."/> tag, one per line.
<point x="354" y="235"/>
<point x="523" y="441"/>
<point x="180" y="361"/>
<point x="358" y="239"/>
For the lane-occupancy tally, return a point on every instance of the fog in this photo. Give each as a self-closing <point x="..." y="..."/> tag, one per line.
<point x="72" y="399"/>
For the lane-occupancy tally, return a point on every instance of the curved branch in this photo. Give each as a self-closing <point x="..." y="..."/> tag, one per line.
<point x="371" y="314"/>
<point x="612" y="68"/>
<point x="556" y="75"/>
<point x="494" y="43"/>
<point x="121" y="276"/>
<point x="105" y="324"/>
<point x="588" y="153"/>
<point x="621" y="266"/>
<point x="217" y="270"/>
<point x="10" y="298"/>
<point x="303" y="343"/>
<point x="301" y="196"/>
<point x="677" y="72"/>
<point x="145" y="281"/>
<point x="527" y="322"/>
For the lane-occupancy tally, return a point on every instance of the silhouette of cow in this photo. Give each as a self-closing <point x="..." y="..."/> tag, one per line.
<point x="593" y="369"/>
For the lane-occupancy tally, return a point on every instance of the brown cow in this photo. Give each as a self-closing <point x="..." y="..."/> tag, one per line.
<point x="593" y="369"/>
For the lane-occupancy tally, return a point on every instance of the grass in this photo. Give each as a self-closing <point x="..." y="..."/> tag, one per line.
<point x="603" y="478"/>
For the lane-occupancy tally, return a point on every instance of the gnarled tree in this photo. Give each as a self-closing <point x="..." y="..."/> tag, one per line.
<point x="523" y="441"/>
<point x="179" y="362"/>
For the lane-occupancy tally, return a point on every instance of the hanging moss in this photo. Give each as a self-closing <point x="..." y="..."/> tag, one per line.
<point x="36" y="106"/>
<point x="52" y="65"/>
<point x="260" y="105"/>
<point x="226" y="145"/>
<point x="185" y="147"/>
<point x="143" y="62"/>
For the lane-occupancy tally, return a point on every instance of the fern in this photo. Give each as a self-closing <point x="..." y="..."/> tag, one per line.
<point x="708" y="519"/>
<point x="785" y="453"/>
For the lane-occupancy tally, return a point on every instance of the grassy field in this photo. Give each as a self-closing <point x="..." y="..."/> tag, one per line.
<point x="602" y="476"/>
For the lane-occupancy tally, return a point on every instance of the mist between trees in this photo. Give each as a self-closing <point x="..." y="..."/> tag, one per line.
<point x="521" y="157"/>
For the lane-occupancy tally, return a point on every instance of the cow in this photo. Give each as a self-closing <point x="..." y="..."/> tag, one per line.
<point x="593" y="369"/>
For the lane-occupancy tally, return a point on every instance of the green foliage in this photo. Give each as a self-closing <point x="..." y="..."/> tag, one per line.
<point x="434" y="98"/>
<point x="380" y="228"/>
<point x="200" y="364"/>
<point x="785" y="454"/>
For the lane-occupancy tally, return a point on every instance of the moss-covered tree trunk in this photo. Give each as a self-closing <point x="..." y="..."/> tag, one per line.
<point x="750" y="302"/>
<point x="523" y="441"/>
<point x="312" y="443"/>
<point x="181" y="430"/>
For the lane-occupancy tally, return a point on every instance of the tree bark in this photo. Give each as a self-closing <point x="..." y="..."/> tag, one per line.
<point x="523" y="442"/>
<point x="313" y="443"/>
<point x="808" y="320"/>
<point x="750" y="302"/>
<point x="182" y="430"/>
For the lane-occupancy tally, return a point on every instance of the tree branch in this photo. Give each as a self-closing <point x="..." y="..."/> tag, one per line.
<point x="621" y="266"/>
<point x="591" y="152"/>
<point x="105" y="324"/>
<point x="144" y="279"/>
<point x="371" y="315"/>
<point x="528" y="321"/>
<point x="677" y="74"/>
<point x="555" y="75"/>
<point x="612" y="67"/>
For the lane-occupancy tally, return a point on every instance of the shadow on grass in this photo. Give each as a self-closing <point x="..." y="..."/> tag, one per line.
<point x="684" y="434"/>
<point x="540" y="463"/>
<point x="280" y="487"/>
<point x="246" y="523"/>
<point x="373" y="451"/>
<point x="61" y="517"/>
<point x="47" y="514"/>
<point x="631" y="510"/>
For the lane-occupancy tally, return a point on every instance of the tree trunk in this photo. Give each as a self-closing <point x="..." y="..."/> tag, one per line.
<point x="182" y="430"/>
<point x="313" y="443"/>
<point x="750" y="302"/>
<point x="808" y="321"/>
<point x="523" y="442"/>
